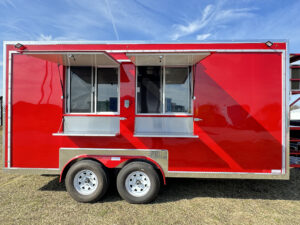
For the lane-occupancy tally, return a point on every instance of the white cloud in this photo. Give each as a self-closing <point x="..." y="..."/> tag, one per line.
<point x="230" y="14"/>
<point x="183" y="30"/>
<point x="43" y="37"/>
<point x="201" y="37"/>
<point x="213" y="17"/>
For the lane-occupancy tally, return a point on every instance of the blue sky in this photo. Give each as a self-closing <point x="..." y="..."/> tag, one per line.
<point x="152" y="20"/>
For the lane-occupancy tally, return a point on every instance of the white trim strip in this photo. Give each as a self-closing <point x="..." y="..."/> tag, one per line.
<point x="165" y="136"/>
<point x="286" y="115"/>
<point x="26" y="168"/>
<point x="9" y="103"/>
<point x="283" y="111"/>
<point x="150" y="51"/>
<point x="84" y="134"/>
<point x="9" y="109"/>
<point x="212" y="172"/>
<point x="4" y="103"/>
<point x="113" y="149"/>
<point x="146" y="42"/>
<point x="124" y="60"/>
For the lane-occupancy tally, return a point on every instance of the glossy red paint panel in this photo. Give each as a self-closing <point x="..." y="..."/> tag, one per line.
<point x="240" y="107"/>
<point x="36" y="112"/>
<point x="127" y="92"/>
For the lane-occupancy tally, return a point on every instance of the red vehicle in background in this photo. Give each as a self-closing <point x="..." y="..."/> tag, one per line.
<point x="148" y="111"/>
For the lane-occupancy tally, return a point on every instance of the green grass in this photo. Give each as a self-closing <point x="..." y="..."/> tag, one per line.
<point x="33" y="199"/>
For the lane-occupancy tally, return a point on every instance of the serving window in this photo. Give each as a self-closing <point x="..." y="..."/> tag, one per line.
<point x="164" y="93"/>
<point x="92" y="90"/>
<point x="164" y="90"/>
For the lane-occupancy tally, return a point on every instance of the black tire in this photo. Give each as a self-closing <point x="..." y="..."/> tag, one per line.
<point x="100" y="174"/>
<point x="145" y="168"/>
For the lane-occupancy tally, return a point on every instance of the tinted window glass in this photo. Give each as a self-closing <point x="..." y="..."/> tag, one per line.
<point x="107" y="90"/>
<point x="80" y="89"/>
<point x="149" y="89"/>
<point x="295" y="73"/>
<point x="295" y="85"/>
<point x="177" y="90"/>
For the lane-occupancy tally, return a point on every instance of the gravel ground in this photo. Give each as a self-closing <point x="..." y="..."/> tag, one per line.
<point x="33" y="199"/>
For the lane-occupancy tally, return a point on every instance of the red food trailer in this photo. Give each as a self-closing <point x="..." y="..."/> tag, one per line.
<point x="147" y="111"/>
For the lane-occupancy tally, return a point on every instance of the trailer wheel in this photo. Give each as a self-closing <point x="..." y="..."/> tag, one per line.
<point x="86" y="181"/>
<point x="138" y="182"/>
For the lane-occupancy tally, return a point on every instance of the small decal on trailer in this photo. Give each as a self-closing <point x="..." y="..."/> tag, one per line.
<point x="276" y="171"/>
<point x="115" y="158"/>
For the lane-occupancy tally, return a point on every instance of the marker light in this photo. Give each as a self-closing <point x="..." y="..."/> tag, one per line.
<point x="20" y="46"/>
<point x="269" y="43"/>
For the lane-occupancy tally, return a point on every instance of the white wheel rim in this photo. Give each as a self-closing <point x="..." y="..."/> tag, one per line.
<point x="85" y="182"/>
<point x="137" y="184"/>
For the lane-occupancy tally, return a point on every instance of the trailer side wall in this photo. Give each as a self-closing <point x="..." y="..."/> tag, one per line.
<point x="238" y="96"/>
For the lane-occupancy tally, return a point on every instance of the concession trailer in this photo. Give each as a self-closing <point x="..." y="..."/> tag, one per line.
<point x="143" y="112"/>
